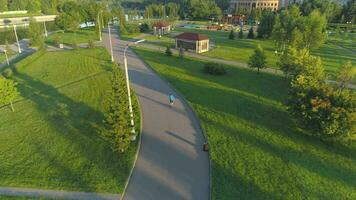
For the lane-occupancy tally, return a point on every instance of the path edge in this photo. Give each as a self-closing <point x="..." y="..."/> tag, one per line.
<point x="138" y="149"/>
<point x="192" y="111"/>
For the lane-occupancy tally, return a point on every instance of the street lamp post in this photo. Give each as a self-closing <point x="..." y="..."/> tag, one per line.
<point x="99" y="26"/>
<point x="111" y="51"/>
<point x="17" y="39"/>
<point x="7" y="58"/>
<point x="45" y="28"/>
<point x="133" y="131"/>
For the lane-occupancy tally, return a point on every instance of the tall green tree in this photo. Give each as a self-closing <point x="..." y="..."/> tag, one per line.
<point x="251" y="34"/>
<point x="232" y="35"/>
<point x="35" y="33"/>
<point x="267" y="21"/>
<point x="8" y="92"/>
<point x="346" y="74"/>
<point x="258" y="59"/>
<point x="3" y="5"/>
<point x="118" y="131"/>
<point x="293" y="29"/>
<point x="203" y="9"/>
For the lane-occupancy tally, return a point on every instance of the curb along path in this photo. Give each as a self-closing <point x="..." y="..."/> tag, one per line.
<point x="171" y="164"/>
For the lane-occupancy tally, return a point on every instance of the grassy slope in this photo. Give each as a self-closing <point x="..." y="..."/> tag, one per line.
<point x="256" y="150"/>
<point x="80" y="36"/>
<point x="52" y="140"/>
<point x="3" y="57"/>
<point x="242" y="49"/>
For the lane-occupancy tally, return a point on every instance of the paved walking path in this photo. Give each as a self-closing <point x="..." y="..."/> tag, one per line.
<point x="55" y="194"/>
<point x="171" y="164"/>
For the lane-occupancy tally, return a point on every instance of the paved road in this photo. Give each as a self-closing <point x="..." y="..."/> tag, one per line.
<point x="171" y="164"/>
<point x="55" y="194"/>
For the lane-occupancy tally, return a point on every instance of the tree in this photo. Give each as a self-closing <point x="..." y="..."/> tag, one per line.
<point x="258" y="59"/>
<point x="294" y="62"/>
<point x="117" y="130"/>
<point x="346" y="73"/>
<point x="172" y="10"/>
<point x="3" y="5"/>
<point x="203" y="9"/>
<point x="34" y="6"/>
<point x="241" y="33"/>
<point x="317" y="107"/>
<point x="68" y="21"/>
<point x="349" y="11"/>
<point x="232" y="35"/>
<point x="35" y="33"/>
<point x="265" y="27"/>
<point x="8" y="92"/>
<point x="251" y="34"/>
<point x="168" y="51"/>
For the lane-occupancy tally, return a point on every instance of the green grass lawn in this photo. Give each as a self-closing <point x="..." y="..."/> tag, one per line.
<point x="257" y="151"/>
<point x="129" y="36"/>
<point x="53" y="139"/>
<point x="241" y="50"/>
<point x="347" y="40"/>
<point x="9" y="54"/>
<point x="164" y="41"/>
<point x="80" y="36"/>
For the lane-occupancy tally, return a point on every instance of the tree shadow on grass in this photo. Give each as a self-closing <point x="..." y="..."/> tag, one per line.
<point x="257" y="115"/>
<point x="78" y="124"/>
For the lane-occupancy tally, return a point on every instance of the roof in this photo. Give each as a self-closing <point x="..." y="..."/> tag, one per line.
<point x="192" y="36"/>
<point x="161" y="24"/>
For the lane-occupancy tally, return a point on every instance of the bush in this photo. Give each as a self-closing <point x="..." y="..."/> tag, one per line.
<point x="74" y="44"/>
<point x="214" y="69"/>
<point x="168" y="51"/>
<point x="7" y="73"/>
<point x="251" y="34"/>
<point x="91" y="44"/>
<point x="132" y="28"/>
<point x="144" y="28"/>
<point x="232" y="35"/>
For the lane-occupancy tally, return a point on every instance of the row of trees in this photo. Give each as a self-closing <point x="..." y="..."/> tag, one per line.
<point x="170" y="10"/>
<point x="118" y="129"/>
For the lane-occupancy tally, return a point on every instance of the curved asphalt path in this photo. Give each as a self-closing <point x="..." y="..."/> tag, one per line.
<point x="171" y="164"/>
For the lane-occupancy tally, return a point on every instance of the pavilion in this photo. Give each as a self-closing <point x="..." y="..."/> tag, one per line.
<point x="193" y="41"/>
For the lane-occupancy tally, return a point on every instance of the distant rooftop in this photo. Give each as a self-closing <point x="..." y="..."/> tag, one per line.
<point x="192" y="36"/>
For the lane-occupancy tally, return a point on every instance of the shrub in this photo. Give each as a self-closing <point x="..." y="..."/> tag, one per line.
<point x="132" y="28"/>
<point x="74" y="44"/>
<point x="144" y="28"/>
<point x="251" y="34"/>
<point x="214" y="69"/>
<point x="168" y="51"/>
<point x="7" y="73"/>
<point x="232" y="35"/>
<point x="91" y="44"/>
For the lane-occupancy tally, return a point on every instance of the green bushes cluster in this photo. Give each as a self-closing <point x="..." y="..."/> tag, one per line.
<point x="214" y="69"/>
<point x="118" y="129"/>
<point x="7" y="73"/>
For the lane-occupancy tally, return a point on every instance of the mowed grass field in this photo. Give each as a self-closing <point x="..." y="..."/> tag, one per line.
<point x="3" y="57"/>
<point x="80" y="36"/>
<point x="257" y="152"/>
<point x="241" y="49"/>
<point x="53" y="139"/>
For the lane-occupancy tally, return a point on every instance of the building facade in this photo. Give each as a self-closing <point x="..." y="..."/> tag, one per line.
<point x="192" y="41"/>
<point x="253" y="4"/>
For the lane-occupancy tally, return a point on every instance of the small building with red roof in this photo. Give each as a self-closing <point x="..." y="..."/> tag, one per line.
<point x="193" y="41"/>
<point x="161" y="27"/>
